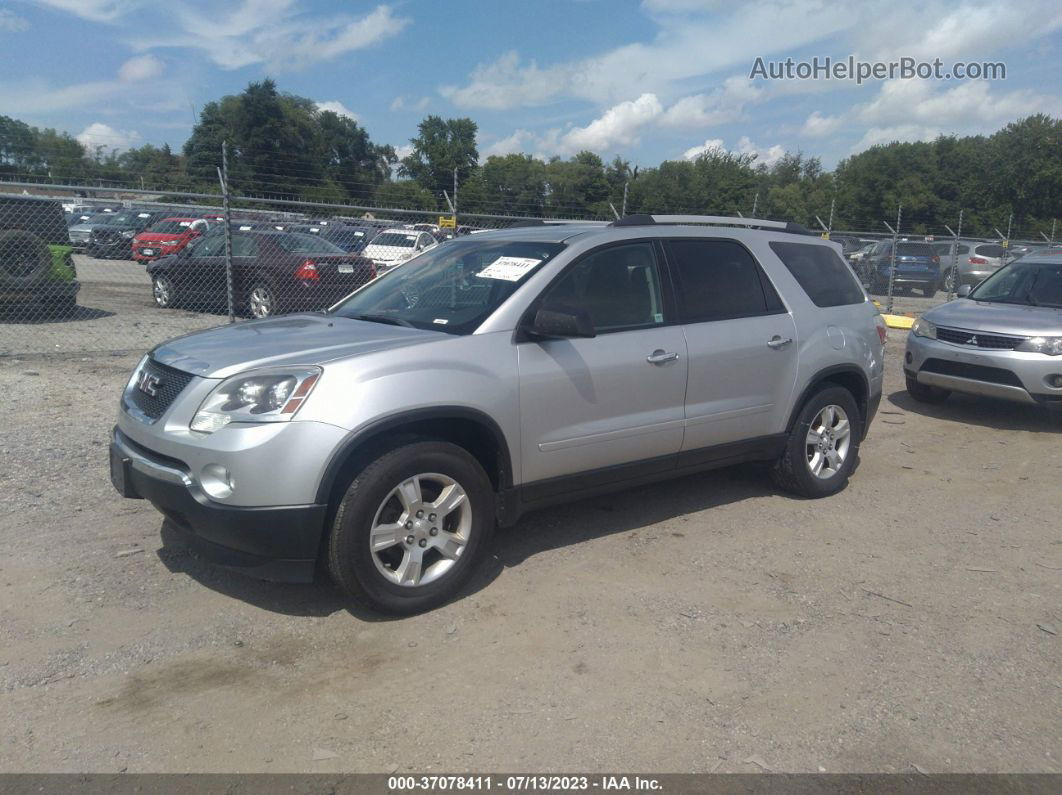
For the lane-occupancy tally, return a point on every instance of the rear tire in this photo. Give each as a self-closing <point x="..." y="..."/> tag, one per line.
<point x="823" y="446"/>
<point x="370" y="555"/>
<point x="163" y="291"/>
<point x="930" y="290"/>
<point x="924" y="393"/>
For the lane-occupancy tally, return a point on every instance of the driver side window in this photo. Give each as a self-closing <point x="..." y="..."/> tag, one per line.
<point x="619" y="286"/>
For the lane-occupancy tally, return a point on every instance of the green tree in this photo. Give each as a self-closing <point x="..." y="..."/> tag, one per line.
<point x="441" y="146"/>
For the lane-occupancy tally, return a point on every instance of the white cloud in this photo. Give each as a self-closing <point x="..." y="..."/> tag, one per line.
<point x="816" y="125"/>
<point x="338" y="108"/>
<point x="618" y="126"/>
<point x="12" y="22"/>
<point x="721" y="106"/>
<point x="98" y="135"/>
<point x="93" y="10"/>
<point x="711" y="145"/>
<point x="403" y="151"/>
<point x="684" y="47"/>
<point x="517" y="142"/>
<point x="766" y="155"/>
<point x="142" y="67"/>
<point x="273" y="32"/>
<point x="401" y="103"/>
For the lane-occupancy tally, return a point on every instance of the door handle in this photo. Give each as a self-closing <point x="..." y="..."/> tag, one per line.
<point x="660" y="356"/>
<point x="777" y="342"/>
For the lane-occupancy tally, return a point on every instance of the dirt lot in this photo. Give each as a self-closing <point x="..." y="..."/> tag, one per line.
<point x="707" y="624"/>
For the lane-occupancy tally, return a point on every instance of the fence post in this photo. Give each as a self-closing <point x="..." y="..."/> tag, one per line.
<point x="954" y="283"/>
<point x="892" y="258"/>
<point x="228" y="229"/>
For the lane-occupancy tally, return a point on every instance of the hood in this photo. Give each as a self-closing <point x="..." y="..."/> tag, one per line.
<point x="151" y="237"/>
<point x="283" y="341"/>
<point x="1023" y="321"/>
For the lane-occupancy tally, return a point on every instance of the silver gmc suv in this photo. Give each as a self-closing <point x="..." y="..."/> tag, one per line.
<point x="495" y="374"/>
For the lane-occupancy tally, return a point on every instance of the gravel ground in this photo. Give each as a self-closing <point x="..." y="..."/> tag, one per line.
<point x="909" y="623"/>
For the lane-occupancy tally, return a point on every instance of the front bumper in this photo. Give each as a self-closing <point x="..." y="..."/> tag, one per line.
<point x="1005" y="374"/>
<point x="919" y="278"/>
<point x="277" y="543"/>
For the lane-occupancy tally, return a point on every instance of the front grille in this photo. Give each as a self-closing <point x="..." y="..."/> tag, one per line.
<point x="977" y="372"/>
<point x="979" y="339"/>
<point x="170" y="384"/>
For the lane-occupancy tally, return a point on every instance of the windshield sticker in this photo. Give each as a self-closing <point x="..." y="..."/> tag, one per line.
<point x="509" y="269"/>
<point x="441" y="321"/>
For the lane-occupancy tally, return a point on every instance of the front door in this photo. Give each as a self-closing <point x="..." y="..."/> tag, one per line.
<point x="615" y="399"/>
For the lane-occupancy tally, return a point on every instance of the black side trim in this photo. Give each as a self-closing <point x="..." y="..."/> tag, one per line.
<point x="359" y="437"/>
<point x="601" y="481"/>
<point x="824" y="375"/>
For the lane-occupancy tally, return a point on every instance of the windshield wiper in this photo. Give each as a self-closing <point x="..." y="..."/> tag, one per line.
<point x="391" y="321"/>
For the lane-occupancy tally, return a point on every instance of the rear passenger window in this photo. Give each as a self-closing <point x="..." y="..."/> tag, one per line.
<point x="244" y="246"/>
<point x="990" y="250"/>
<point x="719" y="280"/>
<point x="825" y="277"/>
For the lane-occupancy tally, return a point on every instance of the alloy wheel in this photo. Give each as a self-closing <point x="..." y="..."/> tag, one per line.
<point x="828" y="442"/>
<point x="420" y="529"/>
<point x="162" y="291"/>
<point x="262" y="303"/>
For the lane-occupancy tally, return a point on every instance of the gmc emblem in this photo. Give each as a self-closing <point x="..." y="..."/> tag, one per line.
<point x="148" y="384"/>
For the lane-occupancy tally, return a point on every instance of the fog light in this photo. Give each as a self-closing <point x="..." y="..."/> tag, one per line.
<point x="1054" y="381"/>
<point x="217" y="481"/>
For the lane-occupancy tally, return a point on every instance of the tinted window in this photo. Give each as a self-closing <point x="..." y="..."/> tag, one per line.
<point x="619" y="286"/>
<point x="914" y="250"/>
<point x="719" y="279"/>
<point x="244" y="246"/>
<point x="212" y="246"/>
<point x="306" y="244"/>
<point x="990" y="250"/>
<point x="821" y="272"/>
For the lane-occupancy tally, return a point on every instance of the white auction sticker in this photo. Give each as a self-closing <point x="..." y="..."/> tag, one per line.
<point x="510" y="269"/>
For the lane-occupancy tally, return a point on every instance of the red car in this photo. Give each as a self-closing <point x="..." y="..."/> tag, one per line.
<point x="168" y="236"/>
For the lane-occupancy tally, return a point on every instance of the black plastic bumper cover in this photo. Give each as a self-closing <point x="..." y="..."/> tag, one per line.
<point x="275" y="543"/>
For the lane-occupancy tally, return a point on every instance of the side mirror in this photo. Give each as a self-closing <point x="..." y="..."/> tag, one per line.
<point x="963" y="291"/>
<point x="562" y="322"/>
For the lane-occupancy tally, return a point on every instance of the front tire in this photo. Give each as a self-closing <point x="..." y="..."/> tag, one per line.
<point x="924" y="393"/>
<point x="411" y="528"/>
<point x="823" y="446"/>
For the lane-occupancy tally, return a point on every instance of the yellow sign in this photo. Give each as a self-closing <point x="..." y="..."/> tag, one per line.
<point x="447" y="222"/>
<point x="825" y="235"/>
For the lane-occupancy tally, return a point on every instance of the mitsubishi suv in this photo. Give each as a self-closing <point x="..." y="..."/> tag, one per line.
<point x="385" y="438"/>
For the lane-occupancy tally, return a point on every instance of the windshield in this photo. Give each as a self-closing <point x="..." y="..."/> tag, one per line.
<point x="306" y="244"/>
<point x="1023" y="282"/>
<point x="395" y="239"/>
<point x="452" y="288"/>
<point x="170" y="226"/>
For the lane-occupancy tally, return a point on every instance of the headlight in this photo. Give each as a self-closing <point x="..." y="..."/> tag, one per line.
<point x="1052" y="346"/>
<point x="129" y="233"/>
<point x="263" y="396"/>
<point x="923" y="328"/>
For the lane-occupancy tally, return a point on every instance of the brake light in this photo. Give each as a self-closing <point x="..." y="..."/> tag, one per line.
<point x="936" y="260"/>
<point x="978" y="261"/>
<point x="307" y="272"/>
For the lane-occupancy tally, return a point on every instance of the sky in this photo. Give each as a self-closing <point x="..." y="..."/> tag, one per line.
<point x="649" y="81"/>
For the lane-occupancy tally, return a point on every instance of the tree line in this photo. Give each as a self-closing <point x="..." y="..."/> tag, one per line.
<point x="284" y="146"/>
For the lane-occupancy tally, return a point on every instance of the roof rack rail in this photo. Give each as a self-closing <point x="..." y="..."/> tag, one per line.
<point x="522" y="222"/>
<point x="643" y="219"/>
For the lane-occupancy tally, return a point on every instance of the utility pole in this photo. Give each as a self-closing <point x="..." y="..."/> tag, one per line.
<point x="455" y="195"/>
<point x="223" y="175"/>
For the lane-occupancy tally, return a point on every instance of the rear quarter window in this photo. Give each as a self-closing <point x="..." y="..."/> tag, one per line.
<point x="822" y="274"/>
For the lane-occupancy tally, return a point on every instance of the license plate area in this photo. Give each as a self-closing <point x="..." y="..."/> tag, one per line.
<point x="346" y="267"/>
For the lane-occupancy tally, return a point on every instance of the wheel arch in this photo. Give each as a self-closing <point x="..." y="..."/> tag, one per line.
<point x="468" y="428"/>
<point x="847" y="376"/>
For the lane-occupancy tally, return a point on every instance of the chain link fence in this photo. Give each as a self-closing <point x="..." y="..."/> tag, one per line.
<point x="127" y="269"/>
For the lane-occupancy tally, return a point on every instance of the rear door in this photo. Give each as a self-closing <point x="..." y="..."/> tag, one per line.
<point x="189" y="271"/>
<point x="742" y="344"/>
<point x="594" y="404"/>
